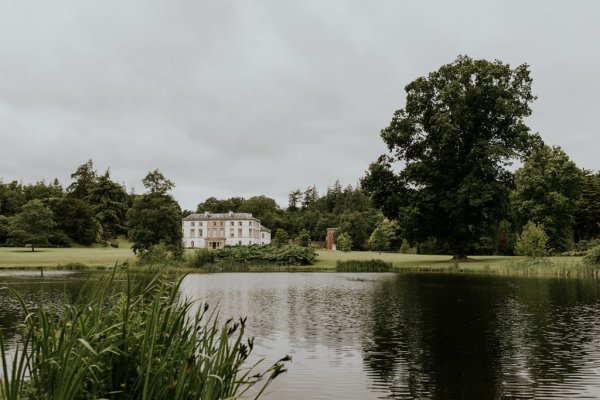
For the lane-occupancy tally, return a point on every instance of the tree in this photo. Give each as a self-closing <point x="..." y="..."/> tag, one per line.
<point x="156" y="217"/>
<point x="303" y="238"/>
<point x="4" y="221"/>
<point x="382" y="236"/>
<point x="587" y="215"/>
<point x="532" y="242"/>
<point x="281" y="238"/>
<point x="343" y="242"/>
<point x="32" y="226"/>
<point x="84" y="179"/>
<point x="110" y="203"/>
<point x="76" y="218"/>
<point x="258" y="206"/>
<point x="461" y="128"/>
<point x="547" y="189"/>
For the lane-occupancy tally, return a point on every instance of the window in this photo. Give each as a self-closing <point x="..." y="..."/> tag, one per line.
<point x="239" y="232"/>
<point x="231" y="232"/>
<point x="240" y="242"/>
<point x="192" y="244"/>
<point x="192" y="232"/>
<point x="214" y="223"/>
<point x="263" y="235"/>
<point x="199" y="232"/>
<point x="192" y="223"/>
<point x="240" y="223"/>
<point x="231" y="223"/>
<point x="200" y="224"/>
<point x="221" y="223"/>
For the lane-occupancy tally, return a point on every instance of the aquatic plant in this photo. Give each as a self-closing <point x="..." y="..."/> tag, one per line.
<point x="363" y="266"/>
<point x="137" y="341"/>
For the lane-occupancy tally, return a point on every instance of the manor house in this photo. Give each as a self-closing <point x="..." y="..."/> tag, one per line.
<point x="217" y="230"/>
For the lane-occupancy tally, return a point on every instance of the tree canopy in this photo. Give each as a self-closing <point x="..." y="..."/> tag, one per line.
<point x="32" y="226"/>
<point x="460" y="129"/>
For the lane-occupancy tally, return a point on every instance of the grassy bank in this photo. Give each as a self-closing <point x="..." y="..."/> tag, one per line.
<point x="99" y="257"/>
<point x="140" y="341"/>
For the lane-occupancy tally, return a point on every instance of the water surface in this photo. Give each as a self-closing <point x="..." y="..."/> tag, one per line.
<point x="397" y="336"/>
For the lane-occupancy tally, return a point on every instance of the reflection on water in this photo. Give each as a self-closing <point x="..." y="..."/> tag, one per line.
<point x="396" y="336"/>
<point x="368" y="336"/>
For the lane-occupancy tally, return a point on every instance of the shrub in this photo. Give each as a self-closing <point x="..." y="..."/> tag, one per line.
<point x="303" y="238"/>
<point x="270" y="254"/>
<point x="200" y="258"/>
<point x="281" y="238"/>
<point x="143" y="342"/>
<point x="404" y="247"/>
<point x="343" y="242"/>
<point x="158" y="254"/>
<point x="592" y="258"/>
<point x="363" y="266"/>
<point x="532" y="242"/>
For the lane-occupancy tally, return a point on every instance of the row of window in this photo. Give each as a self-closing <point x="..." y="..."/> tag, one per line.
<point x="221" y="233"/>
<point x="221" y="223"/>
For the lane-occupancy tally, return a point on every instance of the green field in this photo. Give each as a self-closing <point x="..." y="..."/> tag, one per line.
<point x="326" y="260"/>
<point x="11" y="257"/>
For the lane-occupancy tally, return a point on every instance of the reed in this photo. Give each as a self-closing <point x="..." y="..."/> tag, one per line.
<point x="363" y="266"/>
<point x="131" y="339"/>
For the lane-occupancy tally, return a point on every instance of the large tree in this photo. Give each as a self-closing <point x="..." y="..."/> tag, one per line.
<point x="460" y="129"/>
<point x="84" y="179"/>
<point x="156" y="217"/>
<point x="110" y="203"/>
<point x="547" y="189"/>
<point x="76" y="219"/>
<point x="32" y="226"/>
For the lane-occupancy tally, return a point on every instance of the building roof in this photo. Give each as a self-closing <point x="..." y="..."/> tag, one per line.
<point x="264" y="229"/>
<point x="220" y="216"/>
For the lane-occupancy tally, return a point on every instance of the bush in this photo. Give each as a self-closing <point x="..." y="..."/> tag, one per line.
<point x="343" y="242"/>
<point x="200" y="258"/>
<point x="532" y="242"/>
<point x="270" y="254"/>
<point x="404" y="247"/>
<point x="363" y="266"/>
<point x="592" y="258"/>
<point x="281" y="238"/>
<point x="144" y="342"/>
<point x="303" y="238"/>
<point x="158" y="254"/>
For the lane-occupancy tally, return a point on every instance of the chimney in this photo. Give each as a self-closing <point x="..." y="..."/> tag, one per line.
<point x="230" y="213"/>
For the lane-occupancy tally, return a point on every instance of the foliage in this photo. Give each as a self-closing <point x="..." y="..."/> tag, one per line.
<point x="3" y="228"/>
<point x="547" y="188"/>
<point x="159" y="254"/>
<point x="359" y="225"/>
<point x="587" y="215"/>
<point x="137" y="342"/>
<point x="76" y="218"/>
<point x="281" y="238"/>
<point x="200" y="258"/>
<point x="110" y="202"/>
<point x="532" y="242"/>
<point x="33" y="225"/>
<point x="156" y="183"/>
<point x="269" y="254"/>
<point x="461" y="127"/>
<point x="84" y="179"/>
<point x="303" y="238"/>
<point x="155" y="218"/>
<point x="404" y="247"/>
<point x="381" y="238"/>
<point x="363" y="266"/>
<point x="593" y="257"/>
<point x="343" y="242"/>
<point x="504" y="241"/>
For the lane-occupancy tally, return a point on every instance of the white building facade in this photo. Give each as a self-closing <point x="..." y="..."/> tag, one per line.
<point x="215" y="231"/>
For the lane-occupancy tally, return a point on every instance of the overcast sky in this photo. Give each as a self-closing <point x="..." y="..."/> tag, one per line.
<point x="240" y="98"/>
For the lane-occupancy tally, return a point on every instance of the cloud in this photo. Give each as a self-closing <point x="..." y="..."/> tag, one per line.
<point x="244" y="98"/>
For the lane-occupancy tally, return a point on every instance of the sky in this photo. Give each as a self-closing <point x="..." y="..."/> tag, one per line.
<point x="243" y="98"/>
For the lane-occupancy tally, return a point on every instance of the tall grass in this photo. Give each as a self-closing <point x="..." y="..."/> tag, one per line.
<point x="363" y="266"/>
<point x="140" y="341"/>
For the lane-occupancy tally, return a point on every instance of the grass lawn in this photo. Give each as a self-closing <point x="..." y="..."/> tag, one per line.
<point x="328" y="258"/>
<point x="11" y="257"/>
<point x="98" y="256"/>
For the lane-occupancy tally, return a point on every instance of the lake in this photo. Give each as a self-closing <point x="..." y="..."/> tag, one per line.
<point x="396" y="336"/>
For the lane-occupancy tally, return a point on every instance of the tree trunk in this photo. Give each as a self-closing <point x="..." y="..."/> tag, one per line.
<point x="32" y="249"/>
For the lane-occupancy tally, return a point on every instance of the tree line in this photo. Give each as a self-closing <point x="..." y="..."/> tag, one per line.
<point x="446" y="185"/>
